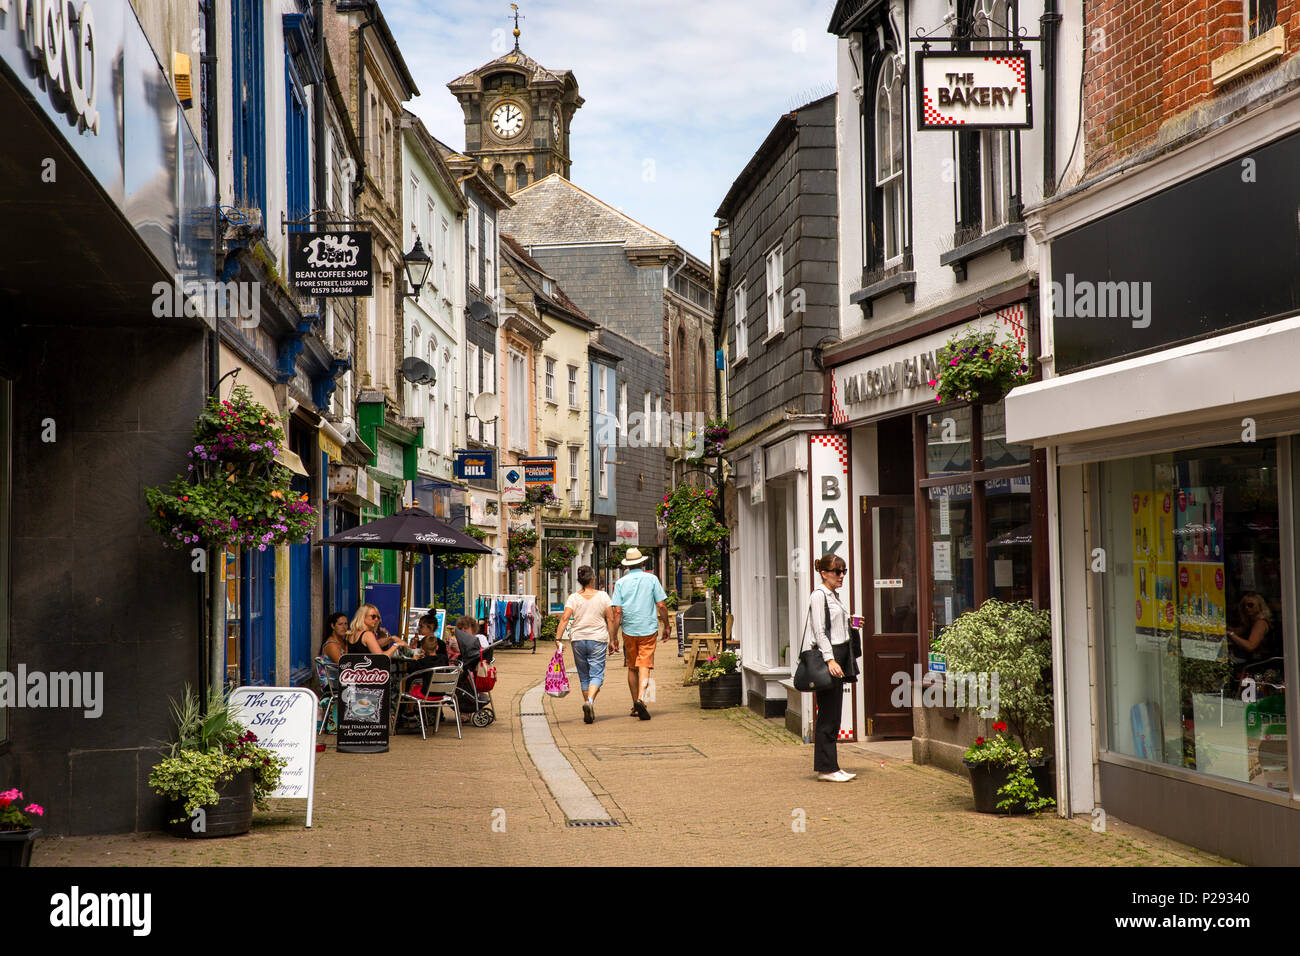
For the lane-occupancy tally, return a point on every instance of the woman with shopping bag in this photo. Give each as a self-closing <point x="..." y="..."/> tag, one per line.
<point x="587" y="622"/>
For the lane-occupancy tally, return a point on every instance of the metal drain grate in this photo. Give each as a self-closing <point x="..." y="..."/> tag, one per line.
<point x="647" y="752"/>
<point x="591" y="823"/>
<point x="530" y="714"/>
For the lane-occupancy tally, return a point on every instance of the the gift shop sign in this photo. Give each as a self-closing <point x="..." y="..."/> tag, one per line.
<point x="366" y="700"/>
<point x="988" y="90"/>
<point x="284" y="720"/>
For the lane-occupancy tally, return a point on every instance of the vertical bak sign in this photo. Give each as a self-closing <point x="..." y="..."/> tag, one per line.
<point x="828" y="467"/>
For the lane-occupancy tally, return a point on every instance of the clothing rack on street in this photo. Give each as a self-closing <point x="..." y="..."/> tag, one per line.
<point x="523" y="600"/>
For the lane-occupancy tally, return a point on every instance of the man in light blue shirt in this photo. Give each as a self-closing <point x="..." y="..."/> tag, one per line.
<point x="636" y="597"/>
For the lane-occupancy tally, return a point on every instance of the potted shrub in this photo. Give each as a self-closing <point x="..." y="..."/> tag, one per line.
<point x="975" y="367"/>
<point x="18" y="830"/>
<point x="719" y="681"/>
<point x="215" y="772"/>
<point x="1009" y="643"/>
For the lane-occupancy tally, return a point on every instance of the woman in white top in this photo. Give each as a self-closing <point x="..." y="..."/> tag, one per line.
<point x="588" y="620"/>
<point x="828" y="620"/>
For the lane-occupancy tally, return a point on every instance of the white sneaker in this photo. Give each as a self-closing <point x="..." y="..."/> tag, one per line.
<point x="839" y="776"/>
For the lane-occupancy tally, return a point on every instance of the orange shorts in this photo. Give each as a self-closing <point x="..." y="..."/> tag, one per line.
<point x="639" y="651"/>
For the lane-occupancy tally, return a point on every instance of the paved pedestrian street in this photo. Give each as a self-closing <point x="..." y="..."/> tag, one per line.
<point x="689" y="787"/>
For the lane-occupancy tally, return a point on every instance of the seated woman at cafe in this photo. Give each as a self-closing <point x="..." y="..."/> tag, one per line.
<point x="335" y="644"/>
<point x="362" y="636"/>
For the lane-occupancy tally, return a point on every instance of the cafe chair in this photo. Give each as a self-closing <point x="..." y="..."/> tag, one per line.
<point x="327" y="673"/>
<point x="441" y="693"/>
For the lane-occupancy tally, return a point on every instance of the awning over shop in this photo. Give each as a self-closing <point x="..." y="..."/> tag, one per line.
<point x="1249" y="373"/>
<point x="291" y="461"/>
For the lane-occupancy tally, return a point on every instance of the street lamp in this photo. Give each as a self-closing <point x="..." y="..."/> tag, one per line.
<point x="418" y="265"/>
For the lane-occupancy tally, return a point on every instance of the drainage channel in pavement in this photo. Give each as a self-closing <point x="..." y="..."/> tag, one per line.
<point x="576" y="801"/>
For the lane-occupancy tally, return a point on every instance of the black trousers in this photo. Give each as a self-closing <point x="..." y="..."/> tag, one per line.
<point x="830" y="707"/>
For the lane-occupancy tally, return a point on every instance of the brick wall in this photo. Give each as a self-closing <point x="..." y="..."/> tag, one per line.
<point x="1148" y="61"/>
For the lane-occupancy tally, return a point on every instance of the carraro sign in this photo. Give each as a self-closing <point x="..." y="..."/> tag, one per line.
<point x="989" y="90"/>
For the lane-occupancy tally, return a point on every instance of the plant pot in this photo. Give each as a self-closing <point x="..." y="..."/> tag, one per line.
<point x="231" y="815"/>
<point x="16" y="846"/>
<point x="720" y="692"/>
<point x="987" y="779"/>
<point x="989" y="393"/>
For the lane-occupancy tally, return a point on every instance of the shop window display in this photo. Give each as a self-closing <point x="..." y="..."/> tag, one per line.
<point x="1193" y="613"/>
<point x="948" y="442"/>
<point x="952" y="553"/>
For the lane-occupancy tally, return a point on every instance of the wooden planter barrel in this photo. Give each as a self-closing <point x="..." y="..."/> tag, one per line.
<point x="720" y="692"/>
<point x="231" y="815"/>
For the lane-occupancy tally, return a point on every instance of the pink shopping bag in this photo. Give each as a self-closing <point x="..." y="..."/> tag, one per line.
<point x="557" y="683"/>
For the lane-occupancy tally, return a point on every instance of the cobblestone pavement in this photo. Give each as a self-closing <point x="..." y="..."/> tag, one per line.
<point x="687" y="787"/>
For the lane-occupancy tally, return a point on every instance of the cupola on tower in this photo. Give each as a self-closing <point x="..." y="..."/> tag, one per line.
<point x="517" y="116"/>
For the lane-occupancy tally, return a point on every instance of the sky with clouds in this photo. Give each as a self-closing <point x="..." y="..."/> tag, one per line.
<point x="679" y="93"/>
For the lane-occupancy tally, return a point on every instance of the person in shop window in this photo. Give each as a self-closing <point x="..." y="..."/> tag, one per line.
<point x="1252" y="638"/>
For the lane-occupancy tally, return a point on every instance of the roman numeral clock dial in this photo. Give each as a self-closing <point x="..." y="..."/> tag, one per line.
<point x="507" y="120"/>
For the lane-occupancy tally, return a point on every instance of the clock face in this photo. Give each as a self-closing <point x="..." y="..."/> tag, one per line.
<point x="557" y="125"/>
<point x="507" y="120"/>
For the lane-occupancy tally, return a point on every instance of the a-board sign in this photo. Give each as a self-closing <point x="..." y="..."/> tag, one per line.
<point x="366" y="697"/>
<point x="331" y="263"/>
<point x="284" y="720"/>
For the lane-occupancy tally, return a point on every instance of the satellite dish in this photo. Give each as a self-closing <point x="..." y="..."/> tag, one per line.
<point x="486" y="407"/>
<point x="479" y="311"/>
<point x="417" y="371"/>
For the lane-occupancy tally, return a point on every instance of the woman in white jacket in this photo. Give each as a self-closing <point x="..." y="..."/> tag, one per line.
<point x="829" y="622"/>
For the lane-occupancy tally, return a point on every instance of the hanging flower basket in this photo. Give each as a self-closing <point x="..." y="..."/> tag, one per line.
<point x="559" y="557"/>
<point x="975" y="367"/>
<point x="695" y="536"/>
<point x="233" y="493"/>
<point x="464" y="561"/>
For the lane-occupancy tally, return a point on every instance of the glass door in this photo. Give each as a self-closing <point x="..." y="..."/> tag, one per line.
<point x="889" y="597"/>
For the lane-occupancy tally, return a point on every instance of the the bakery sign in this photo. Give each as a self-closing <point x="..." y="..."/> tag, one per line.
<point x="986" y="90"/>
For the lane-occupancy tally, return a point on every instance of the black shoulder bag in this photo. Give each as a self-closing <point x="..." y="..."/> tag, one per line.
<point x="812" y="674"/>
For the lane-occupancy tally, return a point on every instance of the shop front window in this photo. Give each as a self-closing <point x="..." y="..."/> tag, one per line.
<point x="6" y="493"/>
<point x="998" y="453"/>
<point x="1009" y="545"/>
<point x="948" y="442"/>
<point x="1193" y="612"/>
<point x="952" y="552"/>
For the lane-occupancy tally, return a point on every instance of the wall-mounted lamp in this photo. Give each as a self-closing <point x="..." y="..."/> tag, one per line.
<point x="418" y="265"/>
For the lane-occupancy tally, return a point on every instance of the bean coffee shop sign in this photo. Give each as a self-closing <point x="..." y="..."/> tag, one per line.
<point x="366" y="699"/>
<point x="63" y="49"/>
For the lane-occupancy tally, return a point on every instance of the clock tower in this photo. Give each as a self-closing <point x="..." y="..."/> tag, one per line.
<point x="517" y="116"/>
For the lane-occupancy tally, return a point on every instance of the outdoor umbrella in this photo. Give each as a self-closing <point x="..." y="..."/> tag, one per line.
<point x="412" y="530"/>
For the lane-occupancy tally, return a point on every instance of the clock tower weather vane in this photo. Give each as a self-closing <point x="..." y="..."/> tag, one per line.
<point x="515" y="8"/>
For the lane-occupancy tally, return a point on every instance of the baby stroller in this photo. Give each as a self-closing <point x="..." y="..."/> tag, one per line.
<point x="474" y="692"/>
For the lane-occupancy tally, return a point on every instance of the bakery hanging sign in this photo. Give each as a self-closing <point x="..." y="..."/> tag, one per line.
<point x="989" y="90"/>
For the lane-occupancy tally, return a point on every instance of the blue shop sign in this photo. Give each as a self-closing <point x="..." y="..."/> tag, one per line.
<point x="475" y="464"/>
<point x="538" y="471"/>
